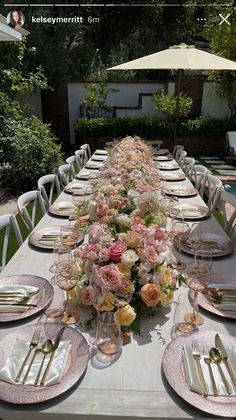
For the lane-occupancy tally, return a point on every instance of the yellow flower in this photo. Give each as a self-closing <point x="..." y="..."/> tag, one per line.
<point x="75" y="294"/>
<point x="107" y="303"/>
<point x="124" y="270"/>
<point x="166" y="298"/>
<point x="125" y="316"/>
<point x="166" y="276"/>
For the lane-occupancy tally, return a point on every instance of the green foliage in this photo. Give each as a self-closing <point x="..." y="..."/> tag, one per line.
<point x="167" y="103"/>
<point x="151" y="126"/>
<point x="28" y="149"/>
<point x="97" y="94"/>
<point x="13" y="77"/>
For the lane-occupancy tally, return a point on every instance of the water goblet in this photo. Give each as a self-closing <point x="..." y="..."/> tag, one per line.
<point x="78" y="198"/>
<point x="69" y="236"/>
<point x="67" y="280"/>
<point x="197" y="279"/>
<point x="108" y="334"/>
<point x="204" y="255"/>
<point x="182" y="322"/>
<point x="180" y="232"/>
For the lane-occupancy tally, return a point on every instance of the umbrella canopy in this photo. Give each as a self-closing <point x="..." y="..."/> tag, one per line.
<point x="179" y="57"/>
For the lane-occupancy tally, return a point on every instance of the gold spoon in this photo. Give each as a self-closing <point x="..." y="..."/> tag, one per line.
<point x="47" y="348"/>
<point x="216" y="358"/>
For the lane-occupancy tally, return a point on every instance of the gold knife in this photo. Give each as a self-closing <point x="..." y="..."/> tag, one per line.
<point x="55" y="346"/>
<point x="224" y="357"/>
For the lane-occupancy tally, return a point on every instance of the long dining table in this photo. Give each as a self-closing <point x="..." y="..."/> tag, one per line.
<point x="134" y="386"/>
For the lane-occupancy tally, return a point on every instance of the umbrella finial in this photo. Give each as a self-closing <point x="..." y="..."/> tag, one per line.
<point x="182" y="45"/>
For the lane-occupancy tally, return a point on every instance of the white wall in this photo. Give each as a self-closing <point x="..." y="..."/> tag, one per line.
<point x="127" y="96"/>
<point x="212" y="105"/>
<point x="31" y="103"/>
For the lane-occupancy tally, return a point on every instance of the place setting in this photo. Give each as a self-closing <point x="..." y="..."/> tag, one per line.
<point x="77" y="187"/>
<point x="46" y="237"/>
<point x="163" y="166"/>
<point x="163" y="158"/>
<point x="218" y="244"/>
<point x="100" y="152"/>
<point x="40" y="362"/>
<point x="87" y="175"/>
<point x="22" y="296"/>
<point x="180" y="191"/>
<point x="172" y="177"/>
<point x="99" y="158"/>
<point x="93" y="165"/>
<point x="192" y="211"/>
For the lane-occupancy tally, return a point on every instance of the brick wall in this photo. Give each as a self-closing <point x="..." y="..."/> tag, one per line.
<point x="55" y="112"/>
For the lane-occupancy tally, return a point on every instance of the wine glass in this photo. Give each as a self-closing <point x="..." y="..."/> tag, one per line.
<point x="108" y="334"/>
<point x="67" y="280"/>
<point x="56" y="246"/>
<point x="204" y="255"/>
<point x="197" y="279"/>
<point x="55" y="308"/>
<point x="69" y="236"/>
<point x="182" y="322"/>
<point x="180" y="232"/>
<point x="60" y="254"/>
<point x="78" y="198"/>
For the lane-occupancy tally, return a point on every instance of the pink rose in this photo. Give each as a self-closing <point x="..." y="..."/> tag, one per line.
<point x="110" y="278"/>
<point x="149" y="255"/>
<point x="159" y="234"/>
<point x="88" y="296"/>
<point x="104" y="255"/>
<point x="102" y="209"/>
<point x="116" y="250"/>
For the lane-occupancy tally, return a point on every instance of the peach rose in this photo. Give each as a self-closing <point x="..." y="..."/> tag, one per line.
<point x="149" y="255"/>
<point x="132" y="239"/>
<point x="125" y="315"/>
<point x="110" y="277"/>
<point x="150" y="294"/>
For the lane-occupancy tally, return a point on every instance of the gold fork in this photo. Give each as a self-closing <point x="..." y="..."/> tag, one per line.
<point x="33" y="344"/>
<point x="208" y="361"/>
<point x="196" y="355"/>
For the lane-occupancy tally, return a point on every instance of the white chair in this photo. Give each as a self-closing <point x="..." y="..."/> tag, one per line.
<point x="65" y="174"/>
<point x="198" y="176"/>
<point x="73" y="163"/>
<point x="7" y="221"/>
<point x="188" y="163"/>
<point x="226" y="204"/>
<point x="156" y="144"/>
<point x="178" y="149"/>
<point x="212" y="189"/>
<point x="32" y="197"/>
<point x="87" y="151"/>
<point x="80" y="155"/>
<point x="181" y="159"/>
<point x="53" y="185"/>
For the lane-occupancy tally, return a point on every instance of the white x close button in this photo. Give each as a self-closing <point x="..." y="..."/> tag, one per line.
<point x="224" y="19"/>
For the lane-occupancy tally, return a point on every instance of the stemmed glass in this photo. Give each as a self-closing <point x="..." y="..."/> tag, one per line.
<point x="204" y="255"/>
<point x="183" y="323"/>
<point x="69" y="236"/>
<point x="67" y="280"/>
<point x="180" y="232"/>
<point x="78" y="198"/>
<point x="197" y="279"/>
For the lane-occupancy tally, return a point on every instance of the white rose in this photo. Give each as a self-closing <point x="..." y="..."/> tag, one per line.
<point x="167" y="256"/>
<point x="133" y="194"/>
<point x="129" y="258"/>
<point x="123" y="220"/>
<point x="79" y="266"/>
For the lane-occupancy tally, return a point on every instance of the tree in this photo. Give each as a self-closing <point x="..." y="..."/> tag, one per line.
<point x="167" y="104"/>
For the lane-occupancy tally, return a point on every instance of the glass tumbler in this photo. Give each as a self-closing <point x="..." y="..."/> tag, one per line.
<point x="108" y="335"/>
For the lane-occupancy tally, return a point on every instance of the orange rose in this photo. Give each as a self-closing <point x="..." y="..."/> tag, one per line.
<point x="137" y="220"/>
<point x="150" y="294"/>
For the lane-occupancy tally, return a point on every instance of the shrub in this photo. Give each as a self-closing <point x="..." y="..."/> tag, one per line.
<point x="151" y="126"/>
<point x="28" y="149"/>
<point x="167" y="104"/>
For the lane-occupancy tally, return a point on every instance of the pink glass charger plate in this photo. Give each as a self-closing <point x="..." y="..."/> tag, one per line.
<point x="87" y="176"/>
<point x="38" y="299"/>
<point x="172" y="177"/>
<point x="57" y="209"/>
<point x="74" y="187"/>
<point x="203" y="212"/>
<point x="101" y="152"/>
<point x="226" y="245"/>
<point x="187" y="192"/>
<point x="74" y="369"/>
<point x="204" y="301"/>
<point x="163" y="158"/>
<point x="172" y="365"/>
<point x="99" y="158"/>
<point x="169" y="167"/>
<point x="37" y="234"/>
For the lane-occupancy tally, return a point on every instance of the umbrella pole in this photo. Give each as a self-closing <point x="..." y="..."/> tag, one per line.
<point x="177" y="105"/>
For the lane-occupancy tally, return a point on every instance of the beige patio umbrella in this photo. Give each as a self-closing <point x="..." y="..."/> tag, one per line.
<point x="179" y="57"/>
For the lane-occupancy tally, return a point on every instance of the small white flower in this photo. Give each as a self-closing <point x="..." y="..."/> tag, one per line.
<point x="123" y="220"/>
<point x="129" y="258"/>
<point x="167" y="256"/>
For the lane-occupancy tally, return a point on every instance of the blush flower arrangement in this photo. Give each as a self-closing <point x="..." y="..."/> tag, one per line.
<point x="125" y="266"/>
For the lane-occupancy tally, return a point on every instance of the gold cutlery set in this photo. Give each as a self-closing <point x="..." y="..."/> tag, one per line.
<point x="20" y="298"/>
<point x="221" y="295"/>
<point x="215" y="355"/>
<point x="36" y="346"/>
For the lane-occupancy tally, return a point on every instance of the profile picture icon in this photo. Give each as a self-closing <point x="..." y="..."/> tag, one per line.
<point x="15" y="19"/>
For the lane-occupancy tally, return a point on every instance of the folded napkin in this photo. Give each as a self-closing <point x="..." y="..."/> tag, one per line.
<point x="214" y="246"/>
<point x="16" y="289"/>
<point x="191" y="375"/>
<point x="225" y="306"/>
<point x="16" y="358"/>
<point x="100" y="152"/>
